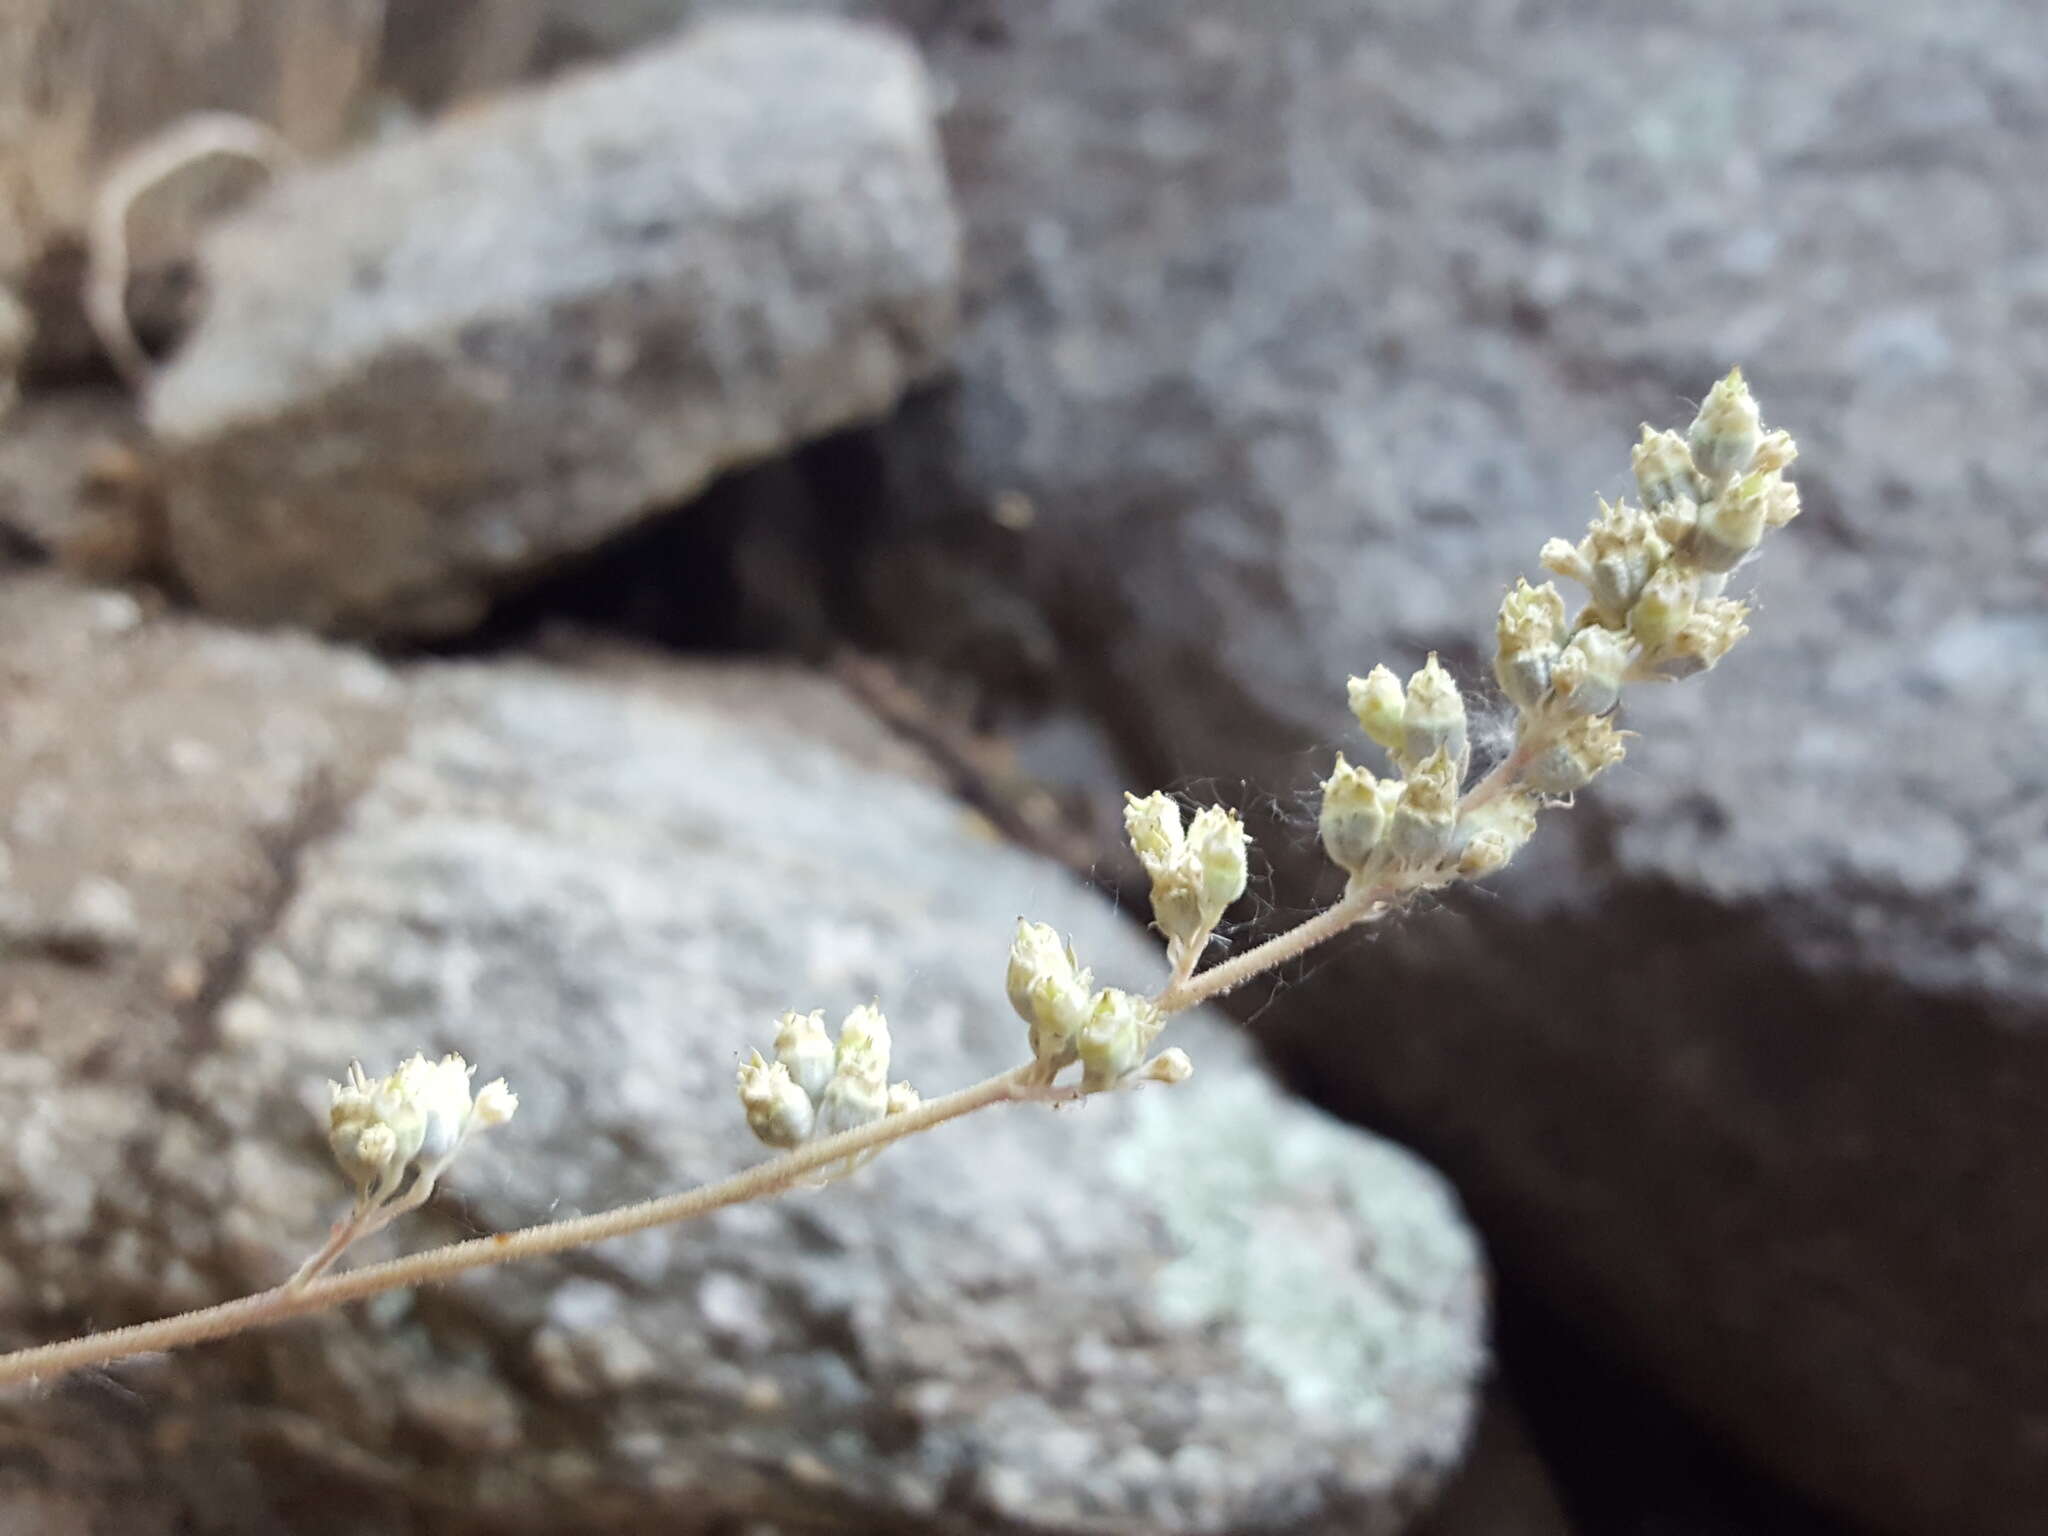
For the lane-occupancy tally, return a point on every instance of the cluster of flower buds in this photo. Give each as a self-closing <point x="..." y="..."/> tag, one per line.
<point x="1107" y="1032"/>
<point x="1196" y="874"/>
<point x="1655" y="572"/>
<point x="1407" y="822"/>
<point x="1654" y="575"/>
<point x="813" y="1088"/>
<point x="414" y="1121"/>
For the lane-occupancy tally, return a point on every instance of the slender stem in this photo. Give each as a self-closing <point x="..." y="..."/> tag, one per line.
<point x="46" y="1362"/>
<point x="1505" y="772"/>
<point x="309" y="1291"/>
<point x="1355" y="907"/>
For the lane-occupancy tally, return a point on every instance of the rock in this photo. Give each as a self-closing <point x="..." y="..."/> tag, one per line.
<point x="436" y="369"/>
<point x="17" y="330"/>
<point x="1202" y="1309"/>
<point x="1296" y="338"/>
<point x="83" y="81"/>
<point x="76" y="485"/>
<point x="439" y="51"/>
<point x="1503" y="1488"/>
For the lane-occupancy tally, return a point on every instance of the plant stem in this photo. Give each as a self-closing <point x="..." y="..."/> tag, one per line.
<point x="1355" y="907"/>
<point x="46" y="1362"/>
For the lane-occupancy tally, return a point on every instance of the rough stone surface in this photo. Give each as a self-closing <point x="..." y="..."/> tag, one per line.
<point x="82" y="81"/>
<point x="1291" y="337"/>
<point x="158" y="779"/>
<point x="1204" y="1310"/>
<point x="75" y="483"/>
<point x="438" y="367"/>
<point x="17" y="330"/>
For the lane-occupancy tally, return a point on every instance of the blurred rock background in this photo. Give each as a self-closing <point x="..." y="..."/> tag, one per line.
<point x="1089" y="386"/>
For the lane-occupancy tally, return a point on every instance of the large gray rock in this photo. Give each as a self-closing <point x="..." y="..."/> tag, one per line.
<point x="1199" y="1310"/>
<point x="442" y="366"/>
<point x="83" y="81"/>
<point x="1300" y="332"/>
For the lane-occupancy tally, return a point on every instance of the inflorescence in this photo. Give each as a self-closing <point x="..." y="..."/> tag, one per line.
<point x="1655" y="610"/>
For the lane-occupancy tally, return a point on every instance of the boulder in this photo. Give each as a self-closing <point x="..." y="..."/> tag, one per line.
<point x="1291" y="338"/>
<point x="1199" y="1309"/>
<point x="439" y="367"/>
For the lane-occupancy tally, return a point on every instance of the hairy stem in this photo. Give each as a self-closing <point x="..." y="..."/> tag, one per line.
<point x="1355" y="907"/>
<point x="46" y="1362"/>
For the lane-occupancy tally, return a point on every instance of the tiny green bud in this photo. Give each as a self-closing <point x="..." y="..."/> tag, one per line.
<point x="1588" y="675"/>
<point x="864" y="1043"/>
<point x="1561" y="557"/>
<point x="1354" y="815"/>
<point x="802" y="1046"/>
<point x="1711" y="632"/>
<point x="1170" y="1066"/>
<point x="1588" y="745"/>
<point x="902" y="1099"/>
<point x="1663" y="466"/>
<point x="1624" y="548"/>
<point x="1035" y="951"/>
<point x="1434" y="718"/>
<point x="1667" y="602"/>
<point x="1775" y="453"/>
<point x="1048" y="992"/>
<point x="779" y="1113"/>
<point x="1492" y="835"/>
<point x="1153" y="824"/>
<point x="1378" y="702"/>
<point x="1727" y="433"/>
<point x="1120" y="1029"/>
<point x="1675" y="521"/>
<point x="1419" y="831"/>
<point x="1216" y="841"/>
<point x="1732" y="524"/>
<point x="1530" y="630"/>
<point x="1781" y="502"/>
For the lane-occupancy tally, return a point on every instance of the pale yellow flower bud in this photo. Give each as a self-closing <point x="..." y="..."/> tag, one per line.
<point x="1529" y="633"/>
<point x="1378" y="702"/>
<point x="1623" y="548"/>
<point x="1781" y="502"/>
<point x="1775" y="454"/>
<point x="1354" y="815"/>
<point x="1492" y="835"/>
<point x="1153" y="824"/>
<point x="1120" y="1029"/>
<point x="1048" y="992"/>
<point x="1663" y="467"/>
<point x="1716" y="624"/>
<point x="1667" y="602"/>
<point x="1035" y="952"/>
<point x="1727" y="433"/>
<point x="1434" y="717"/>
<point x="779" y="1113"/>
<point x="1059" y="1007"/>
<point x="863" y="1044"/>
<point x="1588" y="745"/>
<point x="902" y="1099"/>
<point x="495" y="1104"/>
<point x="1561" y="557"/>
<point x="1216" y="843"/>
<point x="1170" y="1066"/>
<point x="1419" y="831"/>
<point x="851" y="1099"/>
<point x="802" y="1045"/>
<point x="1675" y="521"/>
<point x="1587" y="677"/>
<point x="1732" y="524"/>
